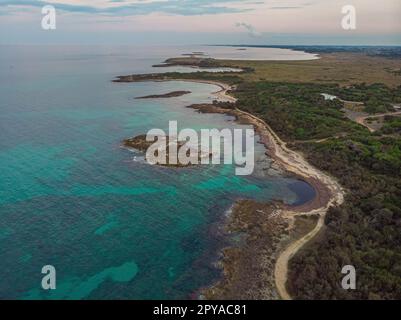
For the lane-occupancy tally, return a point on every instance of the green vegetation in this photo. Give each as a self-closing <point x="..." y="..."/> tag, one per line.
<point x="223" y="77"/>
<point x="295" y="111"/>
<point x="344" y="69"/>
<point x="193" y="61"/>
<point x="392" y="125"/>
<point x="165" y="95"/>
<point x="366" y="230"/>
<point x="376" y="97"/>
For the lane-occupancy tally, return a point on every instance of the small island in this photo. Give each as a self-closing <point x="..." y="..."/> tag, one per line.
<point x="141" y="144"/>
<point x="172" y="94"/>
<point x="202" y="63"/>
<point x="191" y="61"/>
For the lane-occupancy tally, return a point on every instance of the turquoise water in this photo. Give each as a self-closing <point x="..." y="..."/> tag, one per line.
<point x="72" y="197"/>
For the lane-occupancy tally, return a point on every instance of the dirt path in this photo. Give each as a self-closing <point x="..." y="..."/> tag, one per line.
<point x="281" y="268"/>
<point x="295" y="163"/>
<point x="362" y="119"/>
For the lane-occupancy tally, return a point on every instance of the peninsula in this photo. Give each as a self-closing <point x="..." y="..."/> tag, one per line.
<point x="172" y="94"/>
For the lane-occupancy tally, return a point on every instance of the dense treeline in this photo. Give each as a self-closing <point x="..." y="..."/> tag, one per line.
<point x="392" y="125"/>
<point x="298" y="111"/>
<point x="366" y="230"/>
<point x="377" y="97"/>
<point x="224" y="77"/>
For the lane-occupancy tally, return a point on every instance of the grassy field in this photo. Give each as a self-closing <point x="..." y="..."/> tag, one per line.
<point x="339" y="68"/>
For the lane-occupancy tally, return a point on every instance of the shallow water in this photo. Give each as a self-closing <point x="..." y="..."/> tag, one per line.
<point x="70" y="196"/>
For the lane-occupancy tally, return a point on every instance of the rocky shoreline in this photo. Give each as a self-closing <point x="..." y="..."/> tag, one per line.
<point x="328" y="193"/>
<point x="274" y="232"/>
<point x="248" y="270"/>
<point x="140" y="143"/>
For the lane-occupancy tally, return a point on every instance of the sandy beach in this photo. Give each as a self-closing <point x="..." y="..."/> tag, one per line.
<point x="328" y="191"/>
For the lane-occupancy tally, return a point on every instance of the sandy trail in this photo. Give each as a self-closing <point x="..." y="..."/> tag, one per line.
<point x="295" y="163"/>
<point x="362" y="120"/>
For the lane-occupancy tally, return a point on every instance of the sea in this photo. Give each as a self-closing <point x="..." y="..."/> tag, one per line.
<point x="113" y="226"/>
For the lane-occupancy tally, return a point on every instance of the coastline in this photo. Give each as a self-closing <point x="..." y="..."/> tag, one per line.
<point x="328" y="190"/>
<point x="281" y="217"/>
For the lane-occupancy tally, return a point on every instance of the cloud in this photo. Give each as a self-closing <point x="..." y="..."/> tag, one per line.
<point x="250" y="28"/>
<point x="138" y="7"/>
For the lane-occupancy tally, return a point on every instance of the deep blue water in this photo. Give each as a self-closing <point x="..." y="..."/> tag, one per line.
<point x="72" y="197"/>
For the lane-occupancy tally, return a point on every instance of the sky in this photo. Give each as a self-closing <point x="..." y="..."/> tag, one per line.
<point x="263" y="22"/>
